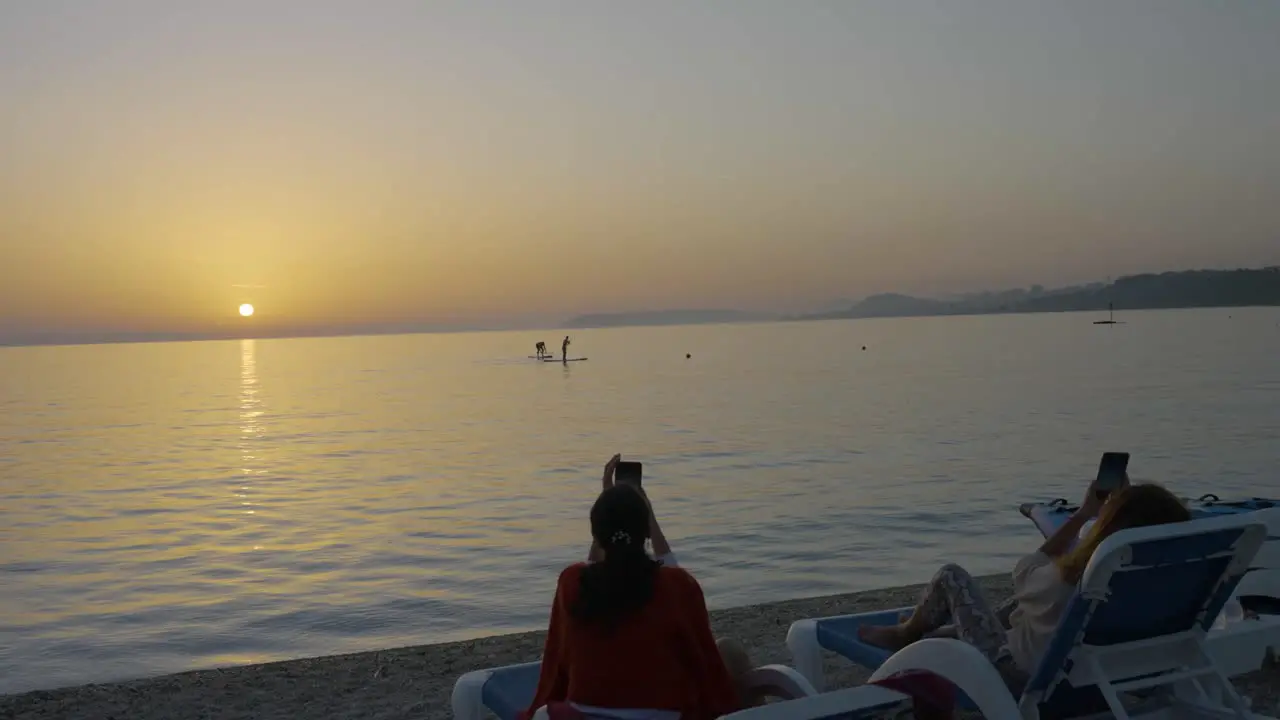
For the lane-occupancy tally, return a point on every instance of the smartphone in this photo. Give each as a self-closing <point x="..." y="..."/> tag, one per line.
<point x="628" y="473"/>
<point x="1111" y="473"/>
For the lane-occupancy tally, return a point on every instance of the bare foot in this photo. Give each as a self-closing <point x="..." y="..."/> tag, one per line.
<point x="889" y="637"/>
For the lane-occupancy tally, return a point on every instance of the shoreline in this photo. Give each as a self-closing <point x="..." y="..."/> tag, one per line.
<point x="416" y="681"/>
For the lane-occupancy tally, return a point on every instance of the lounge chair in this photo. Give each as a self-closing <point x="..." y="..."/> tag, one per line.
<point x="851" y="704"/>
<point x="875" y="700"/>
<point x="505" y="691"/>
<point x="1139" y="621"/>
<point x="865" y="701"/>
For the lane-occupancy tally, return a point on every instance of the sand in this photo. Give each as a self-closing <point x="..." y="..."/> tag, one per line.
<point x="415" y="682"/>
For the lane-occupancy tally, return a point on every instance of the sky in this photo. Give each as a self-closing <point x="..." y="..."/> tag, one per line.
<point x="401" y="162"/>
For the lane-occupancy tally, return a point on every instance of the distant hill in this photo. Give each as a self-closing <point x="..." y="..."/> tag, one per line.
<point x="664" y="317"/>
<point x="829" y="306"/>
<point x="894" y="304"/>
<point x="1191" y="288"/>
<point x="1185" y="289"/>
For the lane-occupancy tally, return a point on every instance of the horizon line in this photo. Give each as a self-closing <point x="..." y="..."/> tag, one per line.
<point x="71" y="338"/>
<point x="465" y="331"/>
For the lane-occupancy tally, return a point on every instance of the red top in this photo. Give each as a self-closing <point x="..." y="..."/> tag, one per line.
<point x="661" y="658"/>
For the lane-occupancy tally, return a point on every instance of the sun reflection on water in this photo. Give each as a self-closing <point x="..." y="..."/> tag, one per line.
<point x="250" y="425"/>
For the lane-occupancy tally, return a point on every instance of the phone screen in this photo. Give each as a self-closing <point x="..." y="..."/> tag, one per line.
<point x="628" y="473"/>
<point x="1111" y="471"/>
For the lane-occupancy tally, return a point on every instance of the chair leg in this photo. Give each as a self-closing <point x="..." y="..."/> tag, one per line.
<point x="1108" y="692"/>
<point x="1218" y="689"/>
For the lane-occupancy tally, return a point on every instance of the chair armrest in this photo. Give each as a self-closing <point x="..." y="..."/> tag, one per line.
<point x="805" y="639"/>
<point x="961" y="664"/>
<point x="779" y="681"/>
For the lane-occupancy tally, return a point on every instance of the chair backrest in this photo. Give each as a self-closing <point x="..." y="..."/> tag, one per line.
<point x="1149" y="583"/>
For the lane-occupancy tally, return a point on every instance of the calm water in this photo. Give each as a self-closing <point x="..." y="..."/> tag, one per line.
<point x="173" y="506"/>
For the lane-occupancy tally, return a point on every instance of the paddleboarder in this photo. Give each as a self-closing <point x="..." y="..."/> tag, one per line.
<point x="564" y="349"/>
<point x="541" y="349"/>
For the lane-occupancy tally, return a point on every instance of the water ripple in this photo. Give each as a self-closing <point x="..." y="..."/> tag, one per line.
<point x="214" y="503"/>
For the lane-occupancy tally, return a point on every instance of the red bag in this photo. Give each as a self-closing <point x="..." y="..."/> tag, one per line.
<point x="564" y="711"/>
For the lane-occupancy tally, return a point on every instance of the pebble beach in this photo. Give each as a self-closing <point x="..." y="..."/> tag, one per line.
<point x="416" y="682"/>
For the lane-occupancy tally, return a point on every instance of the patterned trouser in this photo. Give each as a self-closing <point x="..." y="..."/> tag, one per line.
<point x="955" y="602"/>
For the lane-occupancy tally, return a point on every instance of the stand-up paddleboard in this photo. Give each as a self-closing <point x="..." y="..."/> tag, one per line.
<point x="559" y="360"/>
<point x="1111" y="317"/>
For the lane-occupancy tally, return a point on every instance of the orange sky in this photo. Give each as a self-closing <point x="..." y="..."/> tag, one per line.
<point x="471" y="162"/>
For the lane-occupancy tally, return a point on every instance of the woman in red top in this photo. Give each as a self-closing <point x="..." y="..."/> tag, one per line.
<point x="629" y="636"/>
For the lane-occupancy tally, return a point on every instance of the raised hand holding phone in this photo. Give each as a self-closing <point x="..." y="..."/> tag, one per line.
<point x="596" y="554"/>
<point x="609" y="469"/>
<point x="630" y="473"/>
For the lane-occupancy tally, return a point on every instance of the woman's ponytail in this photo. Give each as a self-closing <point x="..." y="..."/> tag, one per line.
<point x="623" y="582"/>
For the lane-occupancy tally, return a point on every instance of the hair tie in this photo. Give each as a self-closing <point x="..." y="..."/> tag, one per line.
<point x="622" y="537"/>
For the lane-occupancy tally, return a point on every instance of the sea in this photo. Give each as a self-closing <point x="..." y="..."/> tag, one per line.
<point x="172" y="506"/>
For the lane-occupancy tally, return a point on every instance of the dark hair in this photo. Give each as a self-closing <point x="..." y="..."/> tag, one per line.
<point x="1132" y="506"/>
<point x="622" y="582"/>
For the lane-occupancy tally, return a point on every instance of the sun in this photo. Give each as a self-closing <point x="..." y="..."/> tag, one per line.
<point x="246" y="310"/>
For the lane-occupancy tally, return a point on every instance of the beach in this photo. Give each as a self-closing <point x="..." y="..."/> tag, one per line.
<point x="416" y="682"/>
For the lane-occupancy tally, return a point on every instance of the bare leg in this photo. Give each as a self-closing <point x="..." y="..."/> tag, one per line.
<point x="952" y="596"/>
<point x="738" y="662"/>
<point x="946" y="631"/>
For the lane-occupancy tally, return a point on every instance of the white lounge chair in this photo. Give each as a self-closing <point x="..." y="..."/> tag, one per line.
<point x="851" y="704"/>
<point x="505" y="691"/>
<point x="1140" y="620"/>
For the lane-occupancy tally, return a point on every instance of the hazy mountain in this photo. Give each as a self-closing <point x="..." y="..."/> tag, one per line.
<point x="665" y="317"/>
<point x="1189" y="288"/>
<point x="893" y="304"/>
